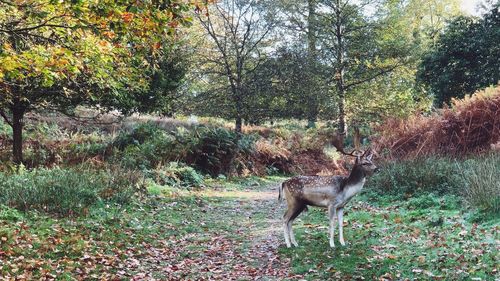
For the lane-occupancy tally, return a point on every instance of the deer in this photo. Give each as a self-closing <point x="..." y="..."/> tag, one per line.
<point x="331" y="192"/>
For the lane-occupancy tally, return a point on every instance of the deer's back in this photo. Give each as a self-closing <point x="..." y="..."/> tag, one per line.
<point x="314" y="190"/>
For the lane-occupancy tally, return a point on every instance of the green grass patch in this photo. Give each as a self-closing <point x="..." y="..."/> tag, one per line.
<point x="426" y="237"/>
<point x="110" y="240"/>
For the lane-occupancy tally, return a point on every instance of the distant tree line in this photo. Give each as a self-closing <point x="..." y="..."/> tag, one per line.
<point x="348" y="62"/>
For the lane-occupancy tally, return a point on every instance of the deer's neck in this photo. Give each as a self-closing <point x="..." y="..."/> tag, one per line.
<point x="354" y="182"/>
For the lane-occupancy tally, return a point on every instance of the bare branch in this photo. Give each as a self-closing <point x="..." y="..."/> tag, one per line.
<point x="380" y="73"/>
<point x="4" y="116"/>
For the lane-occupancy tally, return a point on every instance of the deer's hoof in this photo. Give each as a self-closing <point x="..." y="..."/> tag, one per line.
<point x="332" y="245"/>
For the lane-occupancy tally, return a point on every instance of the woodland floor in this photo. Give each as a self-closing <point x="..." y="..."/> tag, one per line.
<point x="210" y="235"/>
<point x="236" y="234"/>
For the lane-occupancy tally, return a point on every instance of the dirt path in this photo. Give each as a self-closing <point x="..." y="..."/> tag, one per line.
<point x="244" y="248"/>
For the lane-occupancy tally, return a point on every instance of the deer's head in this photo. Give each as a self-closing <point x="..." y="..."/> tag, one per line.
<point x="364" y="162"/>
<point x="363" y="159"/>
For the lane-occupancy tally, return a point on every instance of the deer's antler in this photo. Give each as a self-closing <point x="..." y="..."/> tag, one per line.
<point x="338" y="144"/>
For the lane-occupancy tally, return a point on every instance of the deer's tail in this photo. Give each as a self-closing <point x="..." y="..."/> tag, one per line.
<point x="280" y="196"/>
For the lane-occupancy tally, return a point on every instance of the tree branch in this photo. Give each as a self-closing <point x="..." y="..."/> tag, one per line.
<point x="4" y="116"/>
<point x="380" y="73"/>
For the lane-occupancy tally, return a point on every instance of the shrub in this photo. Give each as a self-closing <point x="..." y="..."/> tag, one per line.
<point x="9" y="214"/>
<point x="482" y="183"/>
<point x="435" y="174"/>
<point x="215" y="150"/>
<point x="471" y="125"/>
<point x="209" y="150"/>
<point x="139" y="135"/>
<point x="424" y="201"/>
<point x="66" y="192"/>
<point x="176" y="174"/>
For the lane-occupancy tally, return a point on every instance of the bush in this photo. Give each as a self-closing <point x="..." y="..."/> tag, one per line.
<point x="215" y="150"/>
<point x="139" y="135"/>
<point x="409" y="177"/>
<point x="482" y="183"/>
<point x="66" y="192"/>
<point x="470" y="126"/>
<point x="176" y="174"/>
<point x="209" y="150"/>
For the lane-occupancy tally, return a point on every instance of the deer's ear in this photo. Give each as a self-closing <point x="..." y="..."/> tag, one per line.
<point x="369" y="154"/>
<point x="369" y="157"/>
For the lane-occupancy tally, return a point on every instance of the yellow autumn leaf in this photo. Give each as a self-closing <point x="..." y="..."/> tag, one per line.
<point x="9" y="64"/>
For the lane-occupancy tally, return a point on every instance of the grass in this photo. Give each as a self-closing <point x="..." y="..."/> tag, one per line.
<point x="36" y="246"/>
<point x="220" y="231"/>
<point x="147" y="237"/>
<point x="412" y="239"/>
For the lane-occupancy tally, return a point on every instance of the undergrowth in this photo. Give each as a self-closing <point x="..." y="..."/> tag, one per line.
<point x="474" y="179"/>
<point x="67" y="192"/>
<point x="482" y="183"/>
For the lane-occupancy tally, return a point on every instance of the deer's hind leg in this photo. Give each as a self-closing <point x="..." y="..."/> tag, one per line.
<point x="331" y="217"/>
<point x="340" y="216"/>
<point x="292" y="212"/>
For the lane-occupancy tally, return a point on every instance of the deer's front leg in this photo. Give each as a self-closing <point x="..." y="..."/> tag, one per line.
<point x="331" y="216"/>
<point x="286" y="234"/>
<point x="340" y="216"/>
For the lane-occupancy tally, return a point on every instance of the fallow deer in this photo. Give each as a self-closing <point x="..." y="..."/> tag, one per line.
<point x="332" y="192"/>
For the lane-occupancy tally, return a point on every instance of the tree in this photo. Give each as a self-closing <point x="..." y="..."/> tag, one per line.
<point x="162" y="94"/>
<point x="365" y="42"/>
<point x="352" y="48"/>
<point x="237" y="31"/>
<point x="299" y="21"/>
<point x="466" y="58"/>
<point x="281" y="86"/>
<point x="407" y="30"/>
<point x="59" y="54"/>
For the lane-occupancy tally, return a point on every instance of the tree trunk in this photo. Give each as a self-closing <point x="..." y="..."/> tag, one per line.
<point x="17" y="134"/>
<point x="357" y="137"/>
<point x="238" y="124"/>
<point x="311" y="45"/>
<point x="238" y="107"/>
<point x="340" y="71"/>
<point x="341" y="129"/>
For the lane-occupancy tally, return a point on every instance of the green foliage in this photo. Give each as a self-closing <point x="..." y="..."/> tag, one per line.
<point x="474" y="179"/>
<point x="281" y="88"/>
<point x="465" y="58"/>
<point x="9" y="214"/>
<point x="411" y="177"/>
<point x="177" y="175"/>
<point x="66" y="192"/>
<point x="215" y="151"/>
<point x="139" y="135"/>
<point x="5" y="129"/>
<point x="423" y="201"/>
<point x="162" y="94"/>
<point x="482" y="183"/>
<point x="210" y="150"/>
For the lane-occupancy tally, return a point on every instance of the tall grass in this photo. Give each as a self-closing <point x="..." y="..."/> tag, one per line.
<point x="411" y="177"/>
<point x="482" y="183"/>
<point x="476" y="180"/>
<point x="66" y="192"/>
